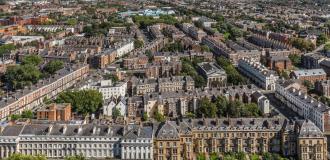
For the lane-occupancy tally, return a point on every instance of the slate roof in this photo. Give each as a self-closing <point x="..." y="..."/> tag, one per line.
<point x="309" y="72"/>
<point x="127" y="132"/>
<point x="270" y="124"/>
<point x="167" y="130"/>
<point x="308" y="129"/>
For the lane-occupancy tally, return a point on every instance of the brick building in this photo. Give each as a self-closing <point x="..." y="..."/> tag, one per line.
<point x="34" y="95"/>
<point x="279" y="63"/>
<point x="311" y="75"/>
<point x="55" y="112"/>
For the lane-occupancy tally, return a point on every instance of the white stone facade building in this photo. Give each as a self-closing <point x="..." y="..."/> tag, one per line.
<point x="303" y="104"/>
<point x="110" y="105"/>
<point x="124" y="48"/>
<point x="258" y="73"/>
<point x="107" y="88"/>
<point x="57" y="141"/>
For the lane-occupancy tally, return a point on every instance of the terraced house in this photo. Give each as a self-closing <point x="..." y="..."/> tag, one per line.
<point x="175" y="140"/>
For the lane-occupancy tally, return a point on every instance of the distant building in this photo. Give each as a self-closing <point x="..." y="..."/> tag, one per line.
<point x="311" y="75"/>
<point x="213" y="73"/>
<point x="55" y="112"/>
<point x="207" y="22"/>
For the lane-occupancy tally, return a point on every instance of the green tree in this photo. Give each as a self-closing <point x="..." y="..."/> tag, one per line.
<point x="302" y="44"/>
<point x="214" y="156"/>
<point x="116" y="113"/>
<point x="190" y="115"/>
<point x="15" y="117"/>
<point x="222" y="106"/>
<point x="27" y="114"/>
<point x="285" y="75"/>
<point x="114" y="78"/>
<point x="201" y="156"/>
<point x="52" y="66"/>
<point x="295" y="59"/>
<point x="89" y="31"/>
<point x="233" y="76"/>
<point x="327" y="47"/>
<point x="22" y="75"/>
<point x="16" y="156"/>
<point x="229" y="157"/>
<point x="322" y="39"/>
<point x="72" y="21"/>
<point x="138" y="43"/>
<point x="308" y="85"/>
<point x="46" y="100"/>
<point x="149" y="55"/>
<point x="4" y="49"/>
<point x="254" y="157"/>
<point x="205" y="48"/>
<point x="82" y="101"/>
<point x="159" y="117"/>
<point x="251" y="110"/>
<point x="207" y="108"/>
<point x="145" y="117"/>
<point x="189" y="69"/>
<point x="76" y="157"/>
<point x="32" y="59"/>
<point x="267" y="156"/>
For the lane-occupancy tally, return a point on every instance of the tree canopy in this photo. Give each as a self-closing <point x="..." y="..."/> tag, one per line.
<point x="327" y="47"/>
<point x="302" y="44"/>
<point x="138" y="43"/>
<point x="32" y="60"/>
<point x="19" y="76"/>
<point x="322" y="39"/>
<point x="52" y="66"/>
<point x="144" y="21"/>
<point x="295" y="59"/>
<point x="116" y="113"/>
<point x="222" y="107"/>
<point x="76" y="157"/>
<point x="6" y="48"/>
<point x="189" y="68"/>
<point x="233" y="76"/>
<point x="159" y="117"/>
<point x="16" y="156"/>
<point x="82" y="101"/>
<point x="72" y="21"/>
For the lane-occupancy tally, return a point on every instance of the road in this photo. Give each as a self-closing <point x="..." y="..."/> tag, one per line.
<point x="281" y="109"/>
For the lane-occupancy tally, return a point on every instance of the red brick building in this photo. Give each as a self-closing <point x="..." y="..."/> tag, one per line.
<point x="55" y="112"/>
<point x="311" y="75"/>
<point x="278" y="63"/>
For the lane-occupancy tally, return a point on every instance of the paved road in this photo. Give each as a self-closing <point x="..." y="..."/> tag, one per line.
<point x="280" y="109"/>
